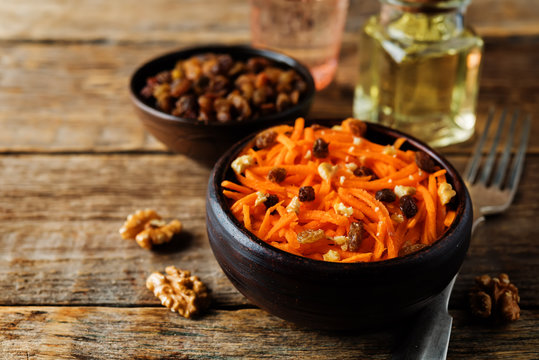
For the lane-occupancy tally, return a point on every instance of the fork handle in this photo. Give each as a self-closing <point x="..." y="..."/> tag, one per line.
<point x="478" y="217"/>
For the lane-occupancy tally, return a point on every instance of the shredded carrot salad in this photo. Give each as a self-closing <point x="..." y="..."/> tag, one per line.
<point x="330" y="194"/>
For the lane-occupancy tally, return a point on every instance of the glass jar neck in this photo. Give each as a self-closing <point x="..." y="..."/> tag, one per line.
<point x="422" y="21"/>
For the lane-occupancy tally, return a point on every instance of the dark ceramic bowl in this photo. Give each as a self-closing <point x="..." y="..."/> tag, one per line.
<point x="335" y="295"/>
<point x="198" y="140"/>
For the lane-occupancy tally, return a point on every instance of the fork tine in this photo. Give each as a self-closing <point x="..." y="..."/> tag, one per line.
<point x="518" y="165"/>
<point x="506" y="156"/>
<point x="473" y="166"/>
<point x="489" y="164"/>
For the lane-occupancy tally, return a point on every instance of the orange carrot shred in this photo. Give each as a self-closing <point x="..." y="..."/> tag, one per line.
<point x="449" y="218"/>
<point x="246" y="217"/>
<point x="232" y="194"/>
<point x="398" y="143"/>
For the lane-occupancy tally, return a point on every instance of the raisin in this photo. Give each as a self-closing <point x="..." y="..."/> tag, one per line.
<point x="385" y="195"/>
<point x="257" y="64"/>
<point x="201" y="84"/>
<point x="247" y="90"/>
<point x="357" y="127"/>
<point x="147" y="91"/>
<point x="410" y="249"/>
<point x="192" y="68"/>
<point x="294" y="96"/>
<point x="163" y="77"/>
<point x="283" y="102"/>
<point x="241" y="105"/>
<point x="261" y="80"/>
<point x="424" y="162"/>
<point x="408" y="206"/>
<point x="205" y="103"/>
<point x="300" y="85"/>
<point x="355" y="236"/>
<point x="180" y="87"/>
<point x="186" y="106"/>
<point x="271" y="200"/>
<point x="365" y="171"/>
<point x="265" y="139"/>
<point x="259" y="96"/>
<point x="284" y="83"/>
<point x="306" y="193"/>
<point x="223" y="117"/>
<point x="219" y="85"/>
<point x="236" y="69"/>
<point x="277" y="175"/>
<point x="320" y="148"/>
<point x="225" y="63"/>
<point x="210" y="67"/>
<point x="222" y="110"/>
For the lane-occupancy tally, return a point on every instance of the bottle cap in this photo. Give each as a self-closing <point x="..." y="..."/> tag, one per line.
<point x="427" y="6"/>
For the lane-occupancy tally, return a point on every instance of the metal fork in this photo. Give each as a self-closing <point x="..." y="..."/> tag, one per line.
<point x="489" y="195"/>
<point x="429" y="337"/>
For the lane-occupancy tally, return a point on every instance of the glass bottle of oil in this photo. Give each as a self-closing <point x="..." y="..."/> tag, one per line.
<point x="419" y="69"/>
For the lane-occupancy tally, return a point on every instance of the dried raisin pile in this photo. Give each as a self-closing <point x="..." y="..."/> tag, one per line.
<point x="215" y="88"/>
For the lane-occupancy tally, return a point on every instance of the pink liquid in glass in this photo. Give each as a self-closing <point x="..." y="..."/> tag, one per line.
<point x="308" y="30"/>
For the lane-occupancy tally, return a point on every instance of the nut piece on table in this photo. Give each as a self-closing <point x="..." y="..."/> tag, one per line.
<point x="136" y="222"/>
<point x="495" y="298"/>
<point x="147" y="228"/>
<point x="179" y="291"/>
<point x="158" y="232"/>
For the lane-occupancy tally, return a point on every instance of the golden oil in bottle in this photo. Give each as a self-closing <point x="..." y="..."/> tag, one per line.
<point x="419" y="70"/>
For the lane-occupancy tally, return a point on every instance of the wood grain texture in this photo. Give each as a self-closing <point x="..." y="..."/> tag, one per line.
<point x="60" y="215"/>
<point x="208" y="20"/>
<point x="60" y="218"/>
<point x="156" y="333"/>
<point x="74" y="161"/>
<point x="81" y="103"/>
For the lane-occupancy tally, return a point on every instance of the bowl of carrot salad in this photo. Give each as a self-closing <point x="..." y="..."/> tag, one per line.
<point x="341" y="225"/>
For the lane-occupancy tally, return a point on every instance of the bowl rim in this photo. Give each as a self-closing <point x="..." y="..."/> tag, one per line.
<point x="246" y="51"/>
<point x="438" y="248"/>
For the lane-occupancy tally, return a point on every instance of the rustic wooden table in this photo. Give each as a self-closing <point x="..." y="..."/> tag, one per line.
<point x="74" y="161"/>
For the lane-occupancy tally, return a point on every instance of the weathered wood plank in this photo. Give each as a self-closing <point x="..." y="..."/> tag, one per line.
<point x="81" y="103"/>
<point x="155" y="333"/>
<point x="86" y="262"/>
<point x="206" y="21"/>
<point x="59" y="217"/>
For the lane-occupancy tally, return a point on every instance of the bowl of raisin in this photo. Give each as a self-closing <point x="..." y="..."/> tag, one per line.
<point x="198" y="101"/>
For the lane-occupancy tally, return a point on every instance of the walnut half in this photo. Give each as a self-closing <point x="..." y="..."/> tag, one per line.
<point x="136" y="222"/>
<point x="158" y="232"/>
<point x="495" y="298"/>
<point x="147" y="228"/>
<point x="179" y="291"/>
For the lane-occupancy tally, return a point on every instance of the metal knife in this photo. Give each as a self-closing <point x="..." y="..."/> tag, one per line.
<point x="428" y="339"/>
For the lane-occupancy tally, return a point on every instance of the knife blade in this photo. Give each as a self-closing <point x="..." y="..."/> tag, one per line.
<point x="428" y="338"/>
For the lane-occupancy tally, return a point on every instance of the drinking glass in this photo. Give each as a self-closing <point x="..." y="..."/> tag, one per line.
<point x="308" y="30"/>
